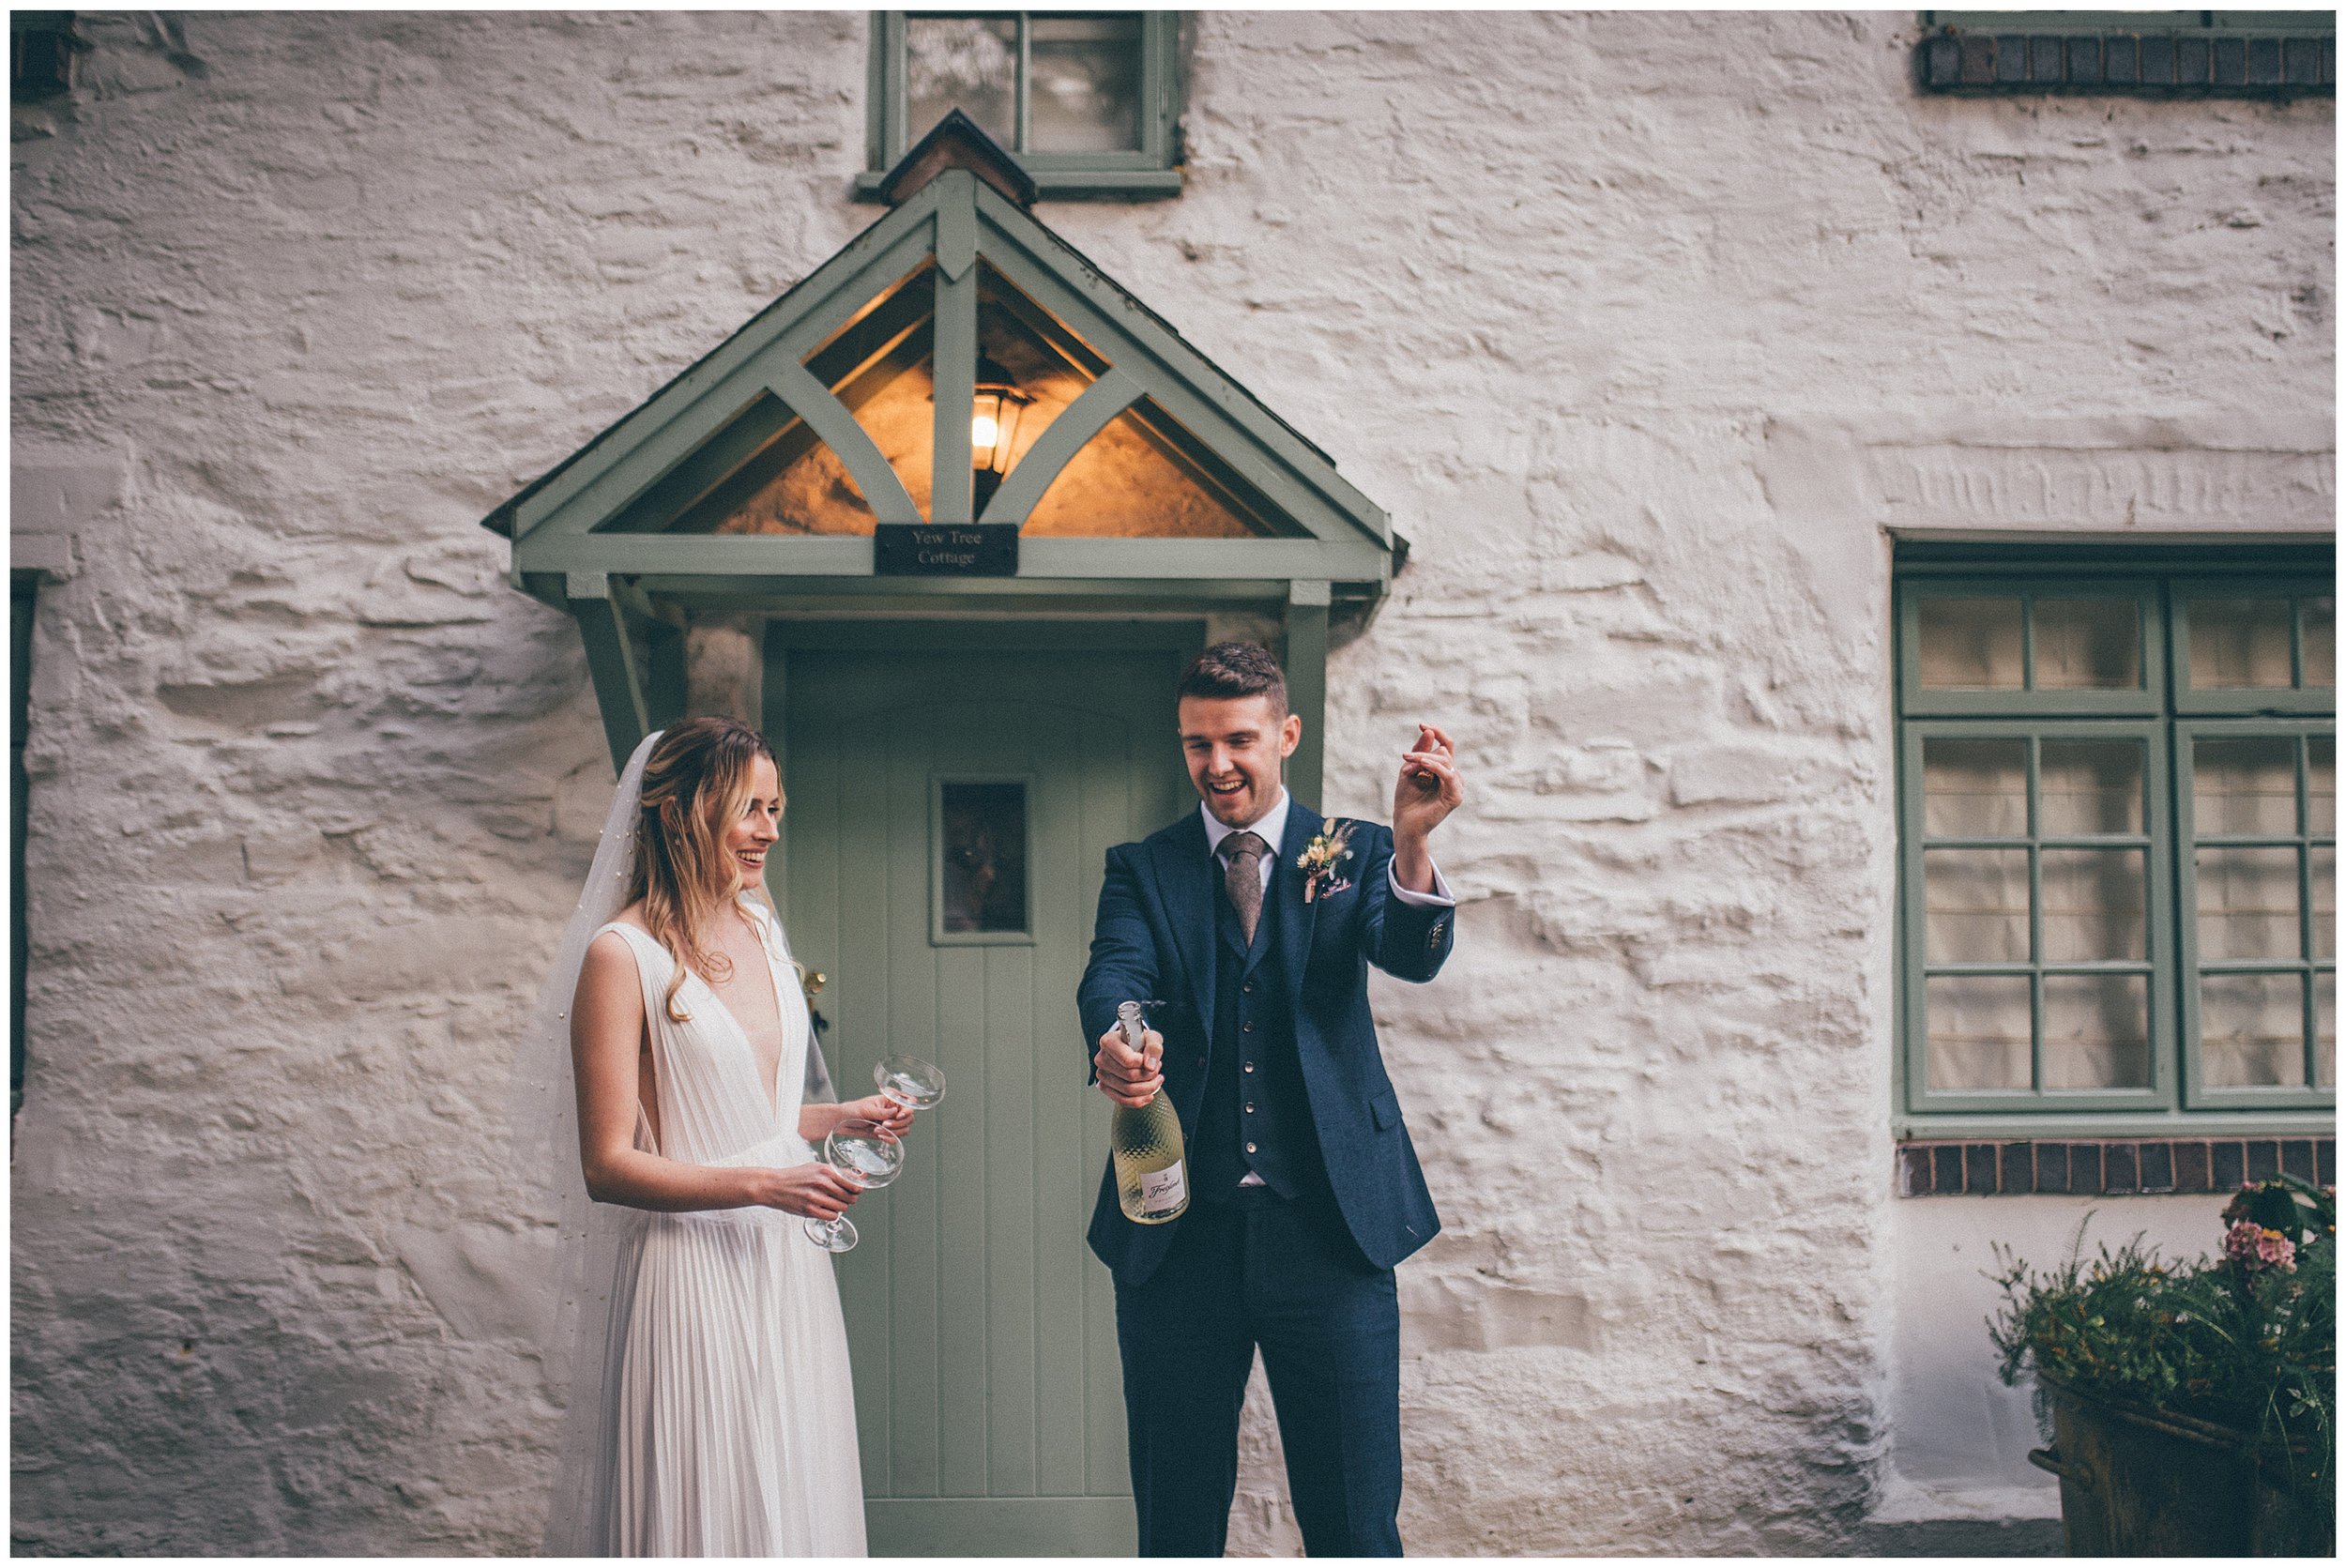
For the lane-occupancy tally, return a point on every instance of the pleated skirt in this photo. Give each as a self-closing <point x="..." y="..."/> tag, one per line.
<point x="730" y="1423"/>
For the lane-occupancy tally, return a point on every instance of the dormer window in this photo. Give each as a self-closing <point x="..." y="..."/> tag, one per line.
<point x="1086" y="102"/>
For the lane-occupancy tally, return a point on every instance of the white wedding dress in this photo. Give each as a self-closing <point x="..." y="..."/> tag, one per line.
<point x="727" y="1419"/>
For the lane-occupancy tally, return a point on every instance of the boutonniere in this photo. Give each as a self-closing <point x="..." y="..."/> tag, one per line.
<point x="1322" y="862"/>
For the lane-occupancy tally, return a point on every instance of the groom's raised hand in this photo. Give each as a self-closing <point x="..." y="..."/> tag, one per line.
<point x="1427" y="791"/>
<point x="1127" y="1076"/>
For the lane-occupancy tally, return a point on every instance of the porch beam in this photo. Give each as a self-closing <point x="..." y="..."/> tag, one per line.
<point x="671" y="557"/>
<point x="1010" y="597"/>
<point x="1216" y="415"/>
<point x="812" y="401"/>
<point x="794" y="324"/>
<point x="668" y="447"/>
<point x="956" y="222"/>
<point x="707" y="468"/>
<point x="1273" y="456"/>
<point x="1062" y="439"/>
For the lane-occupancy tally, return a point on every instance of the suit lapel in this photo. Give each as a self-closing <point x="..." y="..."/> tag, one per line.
<point x="1185" y="881"/>
<point x="1293" y="920"/>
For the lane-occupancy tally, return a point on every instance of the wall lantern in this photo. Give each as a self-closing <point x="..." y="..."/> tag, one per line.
<point x="993" y="428"/>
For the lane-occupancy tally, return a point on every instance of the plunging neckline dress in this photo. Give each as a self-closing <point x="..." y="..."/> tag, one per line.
<point x="728" y="1429"/>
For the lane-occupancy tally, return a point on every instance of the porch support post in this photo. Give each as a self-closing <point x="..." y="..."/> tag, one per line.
<point x="1307" y="686"/>
<point x="663" y="642"/>
<point x="773" y="720"/>
<point x="612" y="639"/>
<point x="955" y="361"/>
<point x="657" y="636"/>
<point x="663" y="688"/>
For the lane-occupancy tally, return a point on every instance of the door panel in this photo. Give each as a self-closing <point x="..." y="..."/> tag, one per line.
<point x="983" y="1332"/>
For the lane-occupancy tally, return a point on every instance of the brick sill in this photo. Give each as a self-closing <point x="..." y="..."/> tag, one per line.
<point x="2187" y="64"/>
<point x="2106" y="1167"/>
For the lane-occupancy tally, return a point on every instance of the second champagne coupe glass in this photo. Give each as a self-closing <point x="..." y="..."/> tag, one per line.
<point x="868" y="1155"/>
<point x="909" y="1082"/>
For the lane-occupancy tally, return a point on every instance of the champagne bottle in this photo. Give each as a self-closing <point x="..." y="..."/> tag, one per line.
<point x="1151" y="1176"/>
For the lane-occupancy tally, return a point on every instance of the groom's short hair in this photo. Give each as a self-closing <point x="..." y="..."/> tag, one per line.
<point x="1236" y="670"/>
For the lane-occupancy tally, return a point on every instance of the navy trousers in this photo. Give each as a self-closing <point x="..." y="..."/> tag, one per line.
<point x="1285" y="1276"/>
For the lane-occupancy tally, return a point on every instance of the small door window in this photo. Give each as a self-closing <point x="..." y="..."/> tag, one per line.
<point x="980" y="882"/>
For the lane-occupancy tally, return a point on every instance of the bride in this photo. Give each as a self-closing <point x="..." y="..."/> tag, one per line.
<point x="709" y="1412"/>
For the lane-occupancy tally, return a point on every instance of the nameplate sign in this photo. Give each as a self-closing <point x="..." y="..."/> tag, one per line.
<point x="945" y="550"/>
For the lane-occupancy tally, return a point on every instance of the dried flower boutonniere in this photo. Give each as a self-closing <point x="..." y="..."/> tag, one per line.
<point x="1322" y="861"/>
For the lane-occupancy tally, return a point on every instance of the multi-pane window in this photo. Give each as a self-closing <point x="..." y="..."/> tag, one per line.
<point x="1086" y="101"/>
<point x="2119" y="841"/>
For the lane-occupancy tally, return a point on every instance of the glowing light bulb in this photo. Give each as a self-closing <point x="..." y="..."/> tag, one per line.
<point x="992" y="421"/>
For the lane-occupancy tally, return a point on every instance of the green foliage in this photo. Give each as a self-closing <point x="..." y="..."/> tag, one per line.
<point x="2287" y="1205"/>
<point x="2240" y="1339"/>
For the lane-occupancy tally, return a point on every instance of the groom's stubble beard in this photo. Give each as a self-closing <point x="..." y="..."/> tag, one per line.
<point x="1260" y="763"/>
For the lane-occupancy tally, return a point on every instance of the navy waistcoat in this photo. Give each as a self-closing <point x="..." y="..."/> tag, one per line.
<point x="1264" y="1107"/>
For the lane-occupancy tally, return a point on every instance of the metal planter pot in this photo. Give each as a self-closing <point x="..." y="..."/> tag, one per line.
<point x="2154" y="1484"/>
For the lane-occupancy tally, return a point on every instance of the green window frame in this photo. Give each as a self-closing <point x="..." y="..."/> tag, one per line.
<point x="2304" y="843"/>
<point x="1151" y="172"/>
<point x="2046" y="667"/>
<point x="2311" y="638"/>
<point x="2043" y="970"/>
<point x="2039" y="624"/>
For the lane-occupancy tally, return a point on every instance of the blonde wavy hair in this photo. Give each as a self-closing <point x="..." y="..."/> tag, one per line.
<point x="696" y="784"/>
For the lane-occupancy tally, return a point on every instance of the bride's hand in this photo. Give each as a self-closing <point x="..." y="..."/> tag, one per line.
<point x="878" y="1107"/>
<point x="815" y="1190"/>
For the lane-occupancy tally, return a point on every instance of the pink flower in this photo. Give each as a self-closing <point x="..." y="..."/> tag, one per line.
<point x="2254" y="1248"/>
<point x="2277" y="1250"/>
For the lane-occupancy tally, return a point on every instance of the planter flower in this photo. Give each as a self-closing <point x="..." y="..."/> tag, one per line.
<point x="2189" y="1406"/>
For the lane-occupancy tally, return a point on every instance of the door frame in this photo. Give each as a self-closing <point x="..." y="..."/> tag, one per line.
<point x="979" y="1527"/>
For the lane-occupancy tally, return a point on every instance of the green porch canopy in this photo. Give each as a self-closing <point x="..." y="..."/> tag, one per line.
<point x="955" y="364"/>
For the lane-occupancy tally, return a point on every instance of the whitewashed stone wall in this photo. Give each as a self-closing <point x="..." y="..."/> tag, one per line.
<point x="1643" y="327"/>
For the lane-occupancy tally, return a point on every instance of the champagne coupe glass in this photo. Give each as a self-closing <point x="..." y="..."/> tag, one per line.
<point x="909" y="1082"/>
<point x="868" y="1155"/>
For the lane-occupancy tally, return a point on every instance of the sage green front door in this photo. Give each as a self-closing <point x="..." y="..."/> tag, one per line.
<point x="951" y="799"/>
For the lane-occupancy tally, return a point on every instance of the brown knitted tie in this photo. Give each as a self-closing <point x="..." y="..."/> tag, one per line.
<point x="1241" y="879"/>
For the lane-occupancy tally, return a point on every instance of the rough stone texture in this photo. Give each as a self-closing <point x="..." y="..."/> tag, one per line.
<point x="1643" y="327"/>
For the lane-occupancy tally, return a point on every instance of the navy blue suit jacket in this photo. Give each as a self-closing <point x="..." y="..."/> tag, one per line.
<point x="1154" y="940"/>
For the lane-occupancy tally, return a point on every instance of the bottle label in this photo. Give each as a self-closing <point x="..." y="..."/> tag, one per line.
<point x="1160" y="1189"/>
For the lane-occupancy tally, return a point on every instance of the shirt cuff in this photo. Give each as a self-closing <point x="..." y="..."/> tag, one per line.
<point x="1439" y="899"/>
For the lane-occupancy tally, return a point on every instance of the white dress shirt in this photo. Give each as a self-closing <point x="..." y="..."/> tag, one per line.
<point x="1272" y="828"/>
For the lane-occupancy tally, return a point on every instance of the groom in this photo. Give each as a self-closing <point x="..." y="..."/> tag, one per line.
<point x="1304" y="1189"/>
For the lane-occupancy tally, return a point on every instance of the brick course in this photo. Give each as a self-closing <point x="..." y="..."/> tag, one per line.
<point x="2110" y="1166"/>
